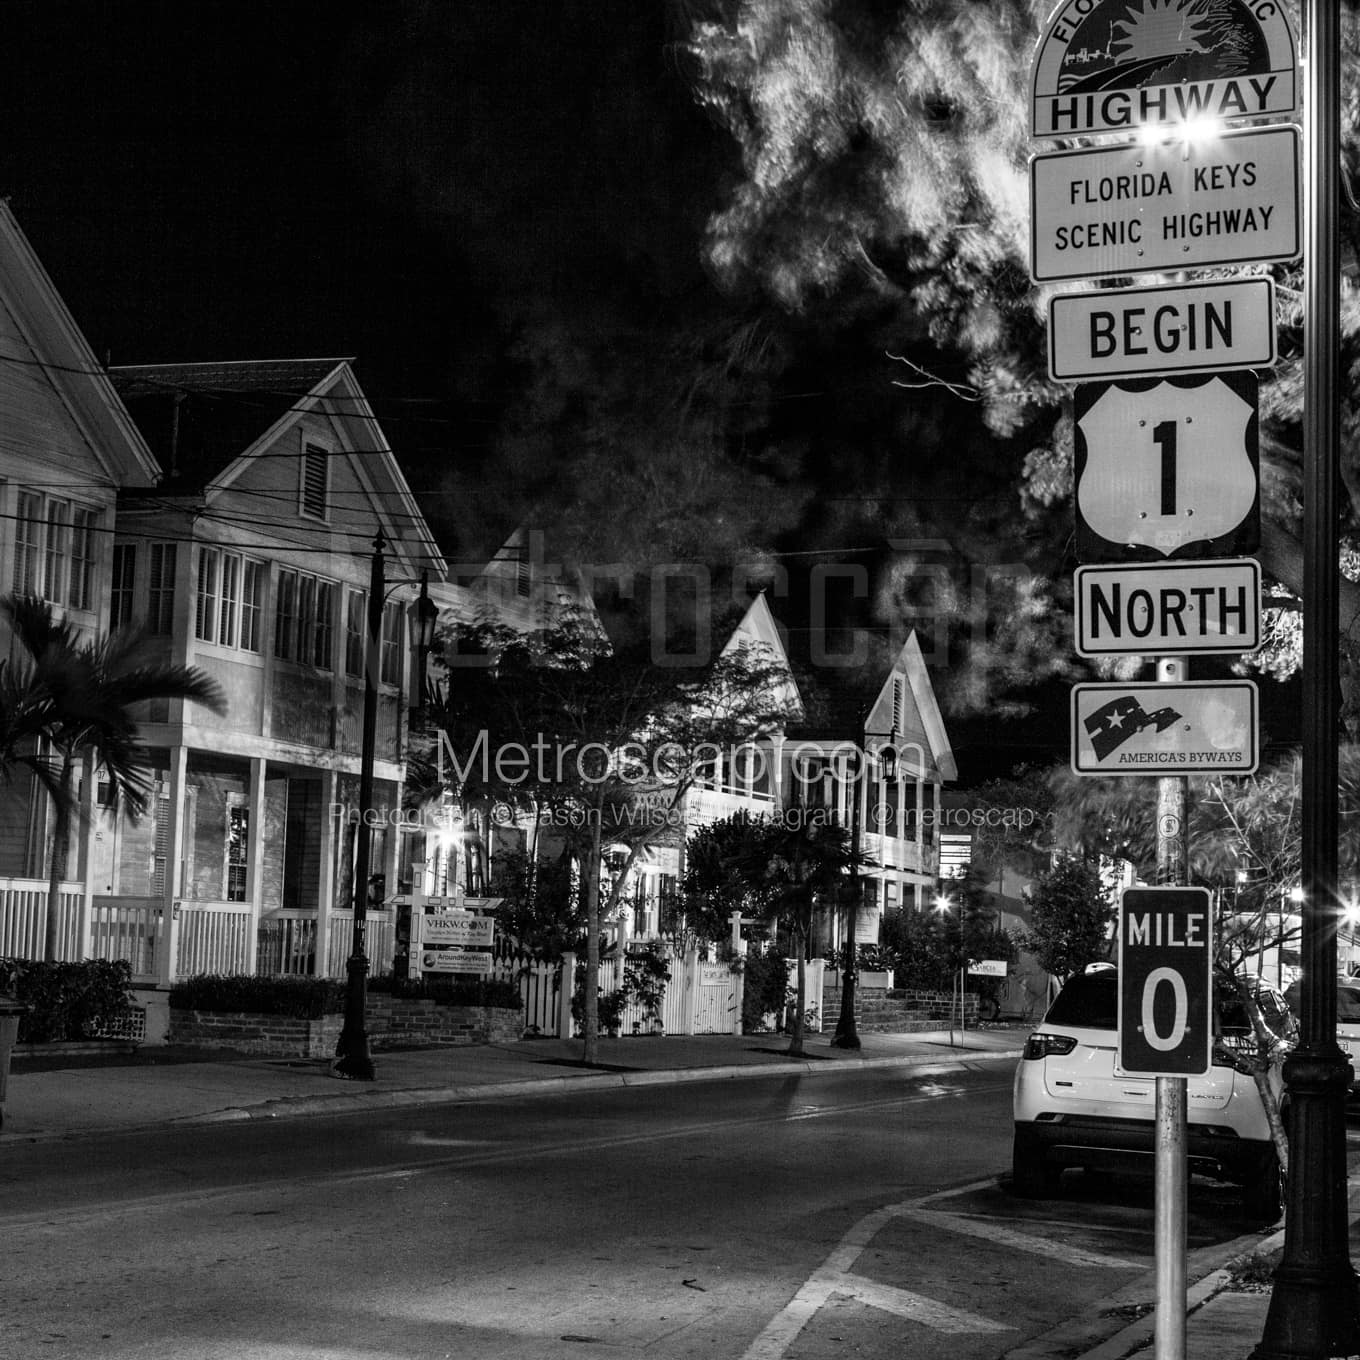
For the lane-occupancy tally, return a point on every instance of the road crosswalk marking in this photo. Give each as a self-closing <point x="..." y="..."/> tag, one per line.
<point x="992" y="1231"/>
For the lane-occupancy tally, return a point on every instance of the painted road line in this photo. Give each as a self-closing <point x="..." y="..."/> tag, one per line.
<point x="836" y="1276"/>
<point x="991" y="1231"/>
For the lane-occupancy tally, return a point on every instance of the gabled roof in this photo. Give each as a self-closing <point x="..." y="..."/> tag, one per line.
<point x="757" y="628"/>
<point x="910" y="664"/>
<point x="199" y="418"/>
<point x="208" y="422"/>
<point x="58" y="353"/>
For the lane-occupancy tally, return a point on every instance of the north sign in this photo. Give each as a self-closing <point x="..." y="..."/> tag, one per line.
<point x="1167" y="468"/>
<point x="1116" y="65"/>
<point x="1169" y="608"/>
<point x="1100" y="212"/>
<point x="1166" y="959"/>
<point x="1191" y="727"/>
<point x="1183" y="328"/>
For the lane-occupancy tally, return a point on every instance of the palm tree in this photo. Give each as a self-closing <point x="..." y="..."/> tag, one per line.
<point x="78" y="695"/>
<point x="797" y="859"/>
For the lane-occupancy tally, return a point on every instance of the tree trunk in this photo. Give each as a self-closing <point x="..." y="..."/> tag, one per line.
<point x="847" y="1036"/>
<point x="61" y="835"/>
<point x="590" y="1002"/>
<point x="800" y="999"/>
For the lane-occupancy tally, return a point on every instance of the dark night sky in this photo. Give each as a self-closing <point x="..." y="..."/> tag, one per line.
<point x="402" y="182"/>
<point x="413" y="183"/>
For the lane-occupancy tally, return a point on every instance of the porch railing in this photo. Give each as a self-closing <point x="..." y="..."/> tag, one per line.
<point x="127" y="928"/>
<point x="23" y="918"/>
<point x="214" y="937"/>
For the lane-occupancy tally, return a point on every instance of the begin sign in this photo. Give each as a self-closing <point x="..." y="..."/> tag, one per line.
<point x="1165" y="981"/>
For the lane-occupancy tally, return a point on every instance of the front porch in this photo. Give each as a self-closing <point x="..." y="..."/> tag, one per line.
<point x="203" y="937"/>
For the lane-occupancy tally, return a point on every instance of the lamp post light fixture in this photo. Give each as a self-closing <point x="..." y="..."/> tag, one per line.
<point x="427" y="618"/>
<point x="352" y="1058"/>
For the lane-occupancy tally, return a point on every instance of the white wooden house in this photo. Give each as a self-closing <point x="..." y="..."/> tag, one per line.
<point x="252" y="559"/>
<point x="67" y="446"/>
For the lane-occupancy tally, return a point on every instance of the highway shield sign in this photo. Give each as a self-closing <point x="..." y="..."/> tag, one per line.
<point x="1166" y="961"/>
<point x="1102" y="212"/>
<point x="1192" y="727"/>
<point x="1167" y="467"/>
<point x="1216" y="325"/>
<point x="1169" y="608"/>
<point x="1117" y="65"/>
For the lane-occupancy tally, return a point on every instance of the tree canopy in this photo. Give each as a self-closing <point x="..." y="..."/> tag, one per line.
<point x="882" y="198"/>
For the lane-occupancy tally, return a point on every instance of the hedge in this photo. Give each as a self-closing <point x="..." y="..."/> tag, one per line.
<point x="304" y="998"/>
<point x="68" y="1001"/>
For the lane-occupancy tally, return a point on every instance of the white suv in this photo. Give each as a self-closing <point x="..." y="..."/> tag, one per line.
<point x="1073" y="1109"/>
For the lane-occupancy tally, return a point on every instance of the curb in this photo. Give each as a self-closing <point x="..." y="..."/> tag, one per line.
<point x="302" y="1107"/>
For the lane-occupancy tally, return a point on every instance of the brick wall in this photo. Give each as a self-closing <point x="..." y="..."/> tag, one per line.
<point x="391" y="1023"/>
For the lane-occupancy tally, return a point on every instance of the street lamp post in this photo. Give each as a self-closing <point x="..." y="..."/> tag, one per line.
<point x="352" y="1058"/>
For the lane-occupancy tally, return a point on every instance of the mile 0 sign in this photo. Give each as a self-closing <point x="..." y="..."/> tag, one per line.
<point x="1165" y="982"/>
<point x="1117" y="65"/>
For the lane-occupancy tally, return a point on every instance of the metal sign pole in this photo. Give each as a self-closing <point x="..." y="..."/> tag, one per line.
<point x="1169" y="1228"/>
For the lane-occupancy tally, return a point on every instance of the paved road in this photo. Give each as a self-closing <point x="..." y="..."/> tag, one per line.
<point x="777" y="1218"/>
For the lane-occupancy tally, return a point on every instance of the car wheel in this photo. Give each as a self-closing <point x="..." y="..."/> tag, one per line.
<point x="1263" y="1191"/>
<point x="1032" y="1176"/>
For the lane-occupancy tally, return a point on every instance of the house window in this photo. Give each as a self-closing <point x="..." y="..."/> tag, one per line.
<point x="355" y="628"/>
<point x="56" y="558"/>
<point x="390" y="670"/>
<point x="285" y="616"/>
<point x="323" y="625"/>
<point x="304" y="620"/>
<point x="315" y="480"/>
<point x="160" y="608"/>
<point x="523" y="581"/>
<point x="124" y="581"/>
<point x="27" y="541"/>
<point x="82" y="558"/>
<point x="897" y="704"/>
<point x="238" y="850"/>
<point x="227" y="610"/>
<point x="252" y="585"/>
<point x="54" y="550"/>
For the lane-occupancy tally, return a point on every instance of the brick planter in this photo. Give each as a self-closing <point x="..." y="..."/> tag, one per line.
<point x="281" y="1036"/>
<point x="390" y="1022"/>
<point x="394" y="1022"/>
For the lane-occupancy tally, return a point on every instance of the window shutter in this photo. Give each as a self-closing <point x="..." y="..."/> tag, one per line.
<point x="314" y="477"/>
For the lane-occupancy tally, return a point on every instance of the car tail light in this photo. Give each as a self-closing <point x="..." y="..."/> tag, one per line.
<point x="1041" y="1045"/>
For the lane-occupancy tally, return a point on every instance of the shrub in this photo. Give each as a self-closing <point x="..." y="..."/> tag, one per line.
<point x="645" y="976"/>
<point x="304" y="998"/>
<point x="765" y="985"/>
<point x="68" y="1001"/>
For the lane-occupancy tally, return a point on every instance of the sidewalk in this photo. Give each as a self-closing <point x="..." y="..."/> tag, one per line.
<point x="177" y="1087"/>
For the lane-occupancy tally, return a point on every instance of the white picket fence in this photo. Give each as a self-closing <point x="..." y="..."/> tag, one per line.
<point x="222" y="937"/>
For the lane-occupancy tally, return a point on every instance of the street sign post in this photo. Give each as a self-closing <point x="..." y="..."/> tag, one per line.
<point x="1193" y="727"/>
<point x="1111" y="66"/>
<point x="1169" y="608"/>
<point x="1102" y="212"/>
<point x="1167" y="468"/>
<point x="1183" y="328"/>
<point x="1165" y="981"/>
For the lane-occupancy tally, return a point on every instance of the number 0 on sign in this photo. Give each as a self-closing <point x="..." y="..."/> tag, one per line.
<point x="1167" y="468"/>
<point x="1165" y="981"/>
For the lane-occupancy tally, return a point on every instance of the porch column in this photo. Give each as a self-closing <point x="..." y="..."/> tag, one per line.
<point x="84" y="855"/>
<point x="332" y="824"/>
<point x="255" y="858"/>
<point x="167" y="960"/>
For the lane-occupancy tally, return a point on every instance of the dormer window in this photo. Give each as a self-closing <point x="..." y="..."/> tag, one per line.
<point x="315" y="480"/>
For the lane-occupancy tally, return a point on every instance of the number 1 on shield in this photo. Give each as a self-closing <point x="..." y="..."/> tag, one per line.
<point x="1164" y="435"/>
